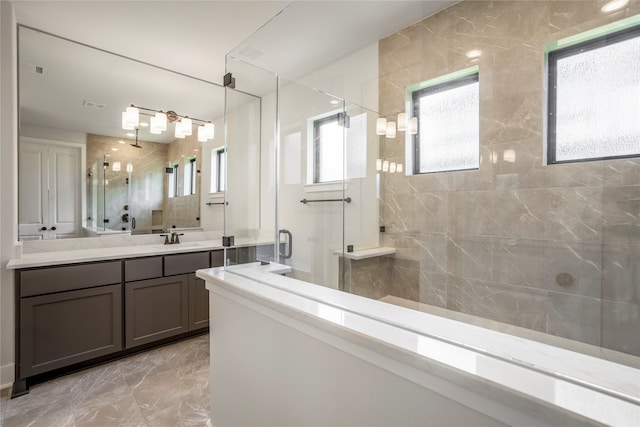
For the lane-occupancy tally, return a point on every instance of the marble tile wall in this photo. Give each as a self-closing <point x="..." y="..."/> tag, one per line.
<point x="184" y="211"/>
<point x="146" y="184"/>
<point x="553" y="248"/>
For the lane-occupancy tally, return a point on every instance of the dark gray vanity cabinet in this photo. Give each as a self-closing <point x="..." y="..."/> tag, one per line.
<point x="68" y="314"/>
<point x="199" y="296"/>
<point x="198" y="303"/>
<point x="156" y="309"/>
<point x="163" y="297"/>
<point x="77" y="314"/>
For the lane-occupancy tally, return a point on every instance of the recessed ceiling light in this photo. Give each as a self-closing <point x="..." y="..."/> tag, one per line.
<point x="614" y="5"/>
<point x="114" y="149"/>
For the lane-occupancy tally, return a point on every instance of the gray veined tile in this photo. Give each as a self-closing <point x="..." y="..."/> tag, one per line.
<point x="57" y="413"/>
<point x="123" y="413"/>
<point x="168" y="386"/>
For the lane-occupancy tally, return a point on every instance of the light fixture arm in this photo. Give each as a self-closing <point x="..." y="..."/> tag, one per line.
<point x="172" y="116"/>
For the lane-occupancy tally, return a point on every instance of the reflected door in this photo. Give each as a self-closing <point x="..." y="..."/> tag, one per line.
<point x="49" y="191"/>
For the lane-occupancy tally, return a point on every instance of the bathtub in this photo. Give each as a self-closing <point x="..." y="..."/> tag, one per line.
<point x="289" y="353"/>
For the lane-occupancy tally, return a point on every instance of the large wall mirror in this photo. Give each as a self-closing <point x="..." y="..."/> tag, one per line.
<point x="80" y="172"/>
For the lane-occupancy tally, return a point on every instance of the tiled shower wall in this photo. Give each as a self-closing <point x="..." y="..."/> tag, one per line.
<point x="184" y="211"/>
<point x="551" y="248"/>
<point x="147" y="191"/>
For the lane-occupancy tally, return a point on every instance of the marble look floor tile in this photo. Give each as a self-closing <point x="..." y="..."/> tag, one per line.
<point x="163" y="387"/>
<point x="122" y="412"/>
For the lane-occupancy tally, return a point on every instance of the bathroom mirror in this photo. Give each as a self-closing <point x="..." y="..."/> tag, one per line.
<point x="72" y="95"/>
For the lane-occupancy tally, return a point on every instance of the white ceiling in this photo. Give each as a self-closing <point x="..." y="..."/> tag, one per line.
<point x="189" y="37"/>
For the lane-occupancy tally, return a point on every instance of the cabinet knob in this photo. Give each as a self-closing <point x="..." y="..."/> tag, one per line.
<point x="53" y="229"/>
<point x="43" y="229"/>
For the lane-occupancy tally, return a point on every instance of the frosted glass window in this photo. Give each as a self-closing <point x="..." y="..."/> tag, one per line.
<point x="329" y="152"/>
<point x="594" y="99"/>
<point x="448" y="126"/>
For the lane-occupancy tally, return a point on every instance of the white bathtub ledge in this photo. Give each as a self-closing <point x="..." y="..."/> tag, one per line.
<point x="607" y="376"/>
<point x="582" y="390"/>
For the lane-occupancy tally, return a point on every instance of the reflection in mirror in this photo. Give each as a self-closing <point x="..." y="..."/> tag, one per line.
<point x="72" y="97"/>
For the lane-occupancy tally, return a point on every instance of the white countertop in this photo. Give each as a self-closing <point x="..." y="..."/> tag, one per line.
<point x="73" y="256"/>
<point x="600" y="390"/>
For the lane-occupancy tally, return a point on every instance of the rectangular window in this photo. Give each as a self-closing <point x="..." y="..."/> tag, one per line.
<point x="218" y="170"/>
<point x="594" y="99"/>
<point x="448" y="125"/>
<point x="172" y="173"/>
<point x="328" y="149"/>
<point x="189" y="187"/>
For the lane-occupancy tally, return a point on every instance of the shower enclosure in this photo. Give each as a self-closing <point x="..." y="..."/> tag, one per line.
<point x="545" y="252"/>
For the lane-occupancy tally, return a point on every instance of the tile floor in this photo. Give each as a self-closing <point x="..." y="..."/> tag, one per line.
<point x="167" y="386"/>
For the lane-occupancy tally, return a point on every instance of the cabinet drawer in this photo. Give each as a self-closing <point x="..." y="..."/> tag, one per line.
<point x="142" y="268"/>
<point x="185" y="263"/>
<point x="57" y="279"/>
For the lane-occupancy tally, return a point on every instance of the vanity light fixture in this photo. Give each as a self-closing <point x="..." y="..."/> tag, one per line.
<point x="402" y="122"/>
<point x="413" y="126"/>
<point x="178" y="131"/>
<point x="405" y="124"/>
<point x="391" y="129"/>
<point x="159" y="120"/>
<point x="614" y="5"/>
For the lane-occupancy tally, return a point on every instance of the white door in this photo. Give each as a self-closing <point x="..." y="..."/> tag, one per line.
<point x="49" y="191"/>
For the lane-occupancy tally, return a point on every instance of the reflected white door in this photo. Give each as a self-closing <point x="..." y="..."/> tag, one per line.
<point x="49" y="191"/>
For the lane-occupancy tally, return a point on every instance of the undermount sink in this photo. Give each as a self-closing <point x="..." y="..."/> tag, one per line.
<point x="179" y="245"/>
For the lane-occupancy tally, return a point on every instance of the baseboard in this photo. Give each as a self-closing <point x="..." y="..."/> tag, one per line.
<point x="7" y="373"/>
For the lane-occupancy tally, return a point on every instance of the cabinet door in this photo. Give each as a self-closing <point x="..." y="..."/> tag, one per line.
<point x="198" y="303"/>
<point x="156" y="309"/>
<point x="49" y="190"/>
<point x="61" y="329"/>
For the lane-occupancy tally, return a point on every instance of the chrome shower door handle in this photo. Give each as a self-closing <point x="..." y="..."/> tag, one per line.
<point x="288" y="244"/>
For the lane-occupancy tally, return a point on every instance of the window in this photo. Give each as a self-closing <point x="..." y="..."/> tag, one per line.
<point x="594" y="99"/>
<point x="218" y="170"/>
<point x="172" y="173"/>
<point x="190" y="171"/>
<point x="328" y="150"/>
<point x="448" y="131"/>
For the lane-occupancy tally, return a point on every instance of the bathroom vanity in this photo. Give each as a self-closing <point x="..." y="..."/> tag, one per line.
<point x="78" y="308"/>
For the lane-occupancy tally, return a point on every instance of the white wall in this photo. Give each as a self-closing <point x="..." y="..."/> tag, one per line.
<point x="8" y="185"/>
<point x="353" y="78"/>
<point x="53" y="134"/>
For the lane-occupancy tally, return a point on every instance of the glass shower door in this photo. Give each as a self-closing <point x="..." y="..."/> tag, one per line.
<point x="312" y="189"/>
